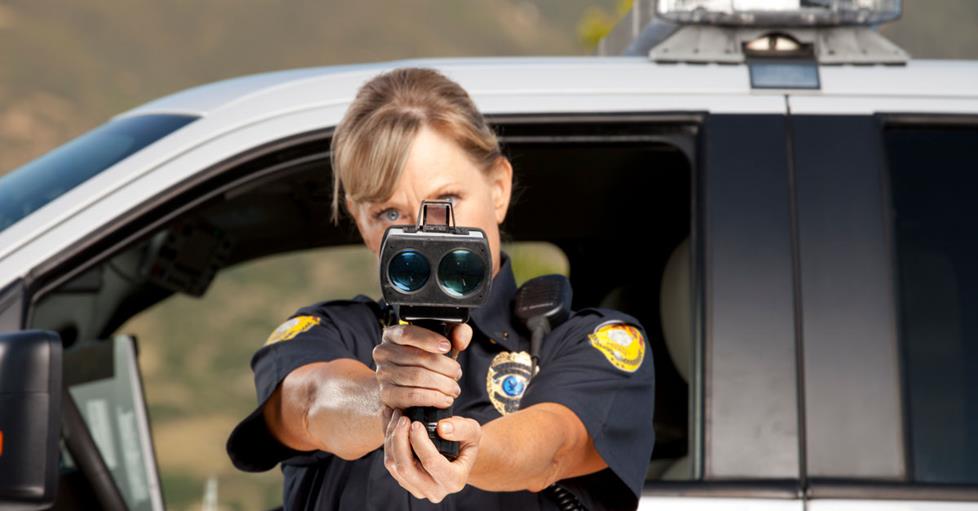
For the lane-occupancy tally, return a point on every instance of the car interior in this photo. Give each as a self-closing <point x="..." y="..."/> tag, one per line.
<point x="615" y="196"/>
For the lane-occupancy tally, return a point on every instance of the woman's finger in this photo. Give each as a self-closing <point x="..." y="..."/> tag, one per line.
<point x="434" y="462"/>
<point x="388" y="439"/>
<point x="410" y="471"/>
<point x="461" y="337"/>
<point x="419" y="337"/>
<point x="396" y="415"/>
<point x="390" y="353"/>
<point x="412" y="376"/>
<point x="460" y="429"/>
<point x="396" y="396"/>
<point x="390" y="461"/>
<point x="467" y="432"/>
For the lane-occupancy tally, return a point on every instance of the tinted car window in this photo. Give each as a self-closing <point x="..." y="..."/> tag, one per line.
<point x="934" y="180"/>
<point x="39" y="182"/>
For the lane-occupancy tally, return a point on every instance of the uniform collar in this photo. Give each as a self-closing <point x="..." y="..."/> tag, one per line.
<point x="494" y="318"/>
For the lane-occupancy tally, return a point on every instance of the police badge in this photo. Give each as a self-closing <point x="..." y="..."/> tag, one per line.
<point x="506" y="380"/>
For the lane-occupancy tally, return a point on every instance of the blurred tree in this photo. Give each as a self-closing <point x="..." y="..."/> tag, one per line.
<point x="936" y="29"/>
<point x="597" y="23"/>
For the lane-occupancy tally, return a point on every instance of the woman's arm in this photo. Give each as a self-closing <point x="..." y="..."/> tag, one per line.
<point x="532" y="448"/>
<point x="525" y="450"/>
<point x="343" y="407"/>
<point x="331" y="406"/>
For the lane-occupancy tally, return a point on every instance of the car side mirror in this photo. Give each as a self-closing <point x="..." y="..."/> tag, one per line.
<point x="30" y="418"/>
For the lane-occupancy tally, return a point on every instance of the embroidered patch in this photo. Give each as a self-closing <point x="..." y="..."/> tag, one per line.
<point x="292" y="328"/>
<point x="506" y="380"/>
<point x="622" y="344"/>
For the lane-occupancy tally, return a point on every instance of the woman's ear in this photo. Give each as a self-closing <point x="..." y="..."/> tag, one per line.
<point x="501" y="187"/>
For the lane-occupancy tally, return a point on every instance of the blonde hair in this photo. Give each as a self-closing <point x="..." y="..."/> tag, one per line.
<point x="371" y="142"/>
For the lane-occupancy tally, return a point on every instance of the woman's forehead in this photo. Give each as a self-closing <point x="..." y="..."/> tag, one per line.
<point x="434" y="164"/>
<point x="432" y="155"/>
<point x="422" y="189"/>
<point x="433" y="167"/>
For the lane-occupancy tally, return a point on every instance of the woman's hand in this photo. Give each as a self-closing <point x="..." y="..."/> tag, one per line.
<point x="412" y="369"/>
<point x="430" y="476"/>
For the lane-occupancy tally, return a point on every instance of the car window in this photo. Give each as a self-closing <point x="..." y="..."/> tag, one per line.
<point x="933" y="180"/>
<point x="196" y="341"/>
<point x="103" y="378"/>
<point x="30" y="187"/>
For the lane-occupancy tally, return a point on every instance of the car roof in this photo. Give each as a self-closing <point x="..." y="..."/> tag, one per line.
<point x="484" y="77"/>
<point x="498" y="86"/>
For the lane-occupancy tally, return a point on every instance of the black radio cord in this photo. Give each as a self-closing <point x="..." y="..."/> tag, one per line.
<point x="566" y="501"/>
<point x="542" y="304"/>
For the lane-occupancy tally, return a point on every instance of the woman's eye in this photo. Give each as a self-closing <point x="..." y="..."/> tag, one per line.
<point x="389" y="215"/>
<point x="450" y="196"/>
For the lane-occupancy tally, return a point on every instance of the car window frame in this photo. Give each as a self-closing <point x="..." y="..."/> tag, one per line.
<point x="12" y="306"/>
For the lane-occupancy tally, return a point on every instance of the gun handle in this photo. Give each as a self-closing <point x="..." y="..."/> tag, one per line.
<point x="429" y="415"/>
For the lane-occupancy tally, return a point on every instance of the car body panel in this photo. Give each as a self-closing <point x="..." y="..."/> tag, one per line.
<point x="719" y="504"/>
<point x="887" y="505"/>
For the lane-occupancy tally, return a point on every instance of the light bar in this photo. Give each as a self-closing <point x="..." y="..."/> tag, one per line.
<point x="779" y="12"/>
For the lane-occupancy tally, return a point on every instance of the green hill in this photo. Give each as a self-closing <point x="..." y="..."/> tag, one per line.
<point x="69" y="66"/>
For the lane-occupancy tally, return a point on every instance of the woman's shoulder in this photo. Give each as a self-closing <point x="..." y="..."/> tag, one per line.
<point x="598" y="316"/>
<point x="616" y="335"/>
<point x="344" y="310"/>
<point x="338" y="303"/>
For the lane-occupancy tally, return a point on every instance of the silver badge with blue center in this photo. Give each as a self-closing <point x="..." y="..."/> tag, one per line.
<point x="506" y="380"/>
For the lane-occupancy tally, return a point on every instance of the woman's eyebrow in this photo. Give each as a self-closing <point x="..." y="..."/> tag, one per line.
<point x="382" y="205"/>
<point x="442" y="189"/>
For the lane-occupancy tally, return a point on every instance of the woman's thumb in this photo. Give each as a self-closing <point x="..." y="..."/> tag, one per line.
<point x="461" y="336"/>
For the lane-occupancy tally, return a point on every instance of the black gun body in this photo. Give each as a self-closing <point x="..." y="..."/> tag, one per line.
<point x="433" y="275"/>
<point x="430" y="415"/>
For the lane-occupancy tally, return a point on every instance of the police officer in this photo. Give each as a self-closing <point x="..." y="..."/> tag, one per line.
<point x="332" y="380"/>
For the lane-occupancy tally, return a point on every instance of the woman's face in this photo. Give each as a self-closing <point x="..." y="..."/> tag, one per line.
<point x="436" y="168"/>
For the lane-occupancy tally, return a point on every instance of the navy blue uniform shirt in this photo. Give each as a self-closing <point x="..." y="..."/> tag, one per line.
<point x="597" y="363"/>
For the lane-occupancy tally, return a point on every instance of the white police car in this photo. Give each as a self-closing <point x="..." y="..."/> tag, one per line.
<point x="782" y="196"/>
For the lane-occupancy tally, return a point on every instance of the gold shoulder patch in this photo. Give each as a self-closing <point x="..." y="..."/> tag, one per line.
<point x="292" y="328"/>
<point x="622" y="344"/>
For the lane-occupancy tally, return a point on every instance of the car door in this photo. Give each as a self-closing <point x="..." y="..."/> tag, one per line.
<point x="886" y="252"/>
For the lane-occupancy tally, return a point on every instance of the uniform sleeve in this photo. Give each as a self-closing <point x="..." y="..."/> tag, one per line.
<point x="311" y="335"/>
<point x="599" y="364"/>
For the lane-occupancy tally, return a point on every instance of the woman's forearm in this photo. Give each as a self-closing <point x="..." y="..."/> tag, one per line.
<point x="330" y="406"/>
<point x="531" y="449"/>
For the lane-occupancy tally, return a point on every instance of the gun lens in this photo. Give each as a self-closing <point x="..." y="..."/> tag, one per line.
<point x="460" y="272"/>
<point x="408" y="271"/>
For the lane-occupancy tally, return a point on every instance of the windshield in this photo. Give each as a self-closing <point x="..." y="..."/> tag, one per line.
<point x="39" y="182"/>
